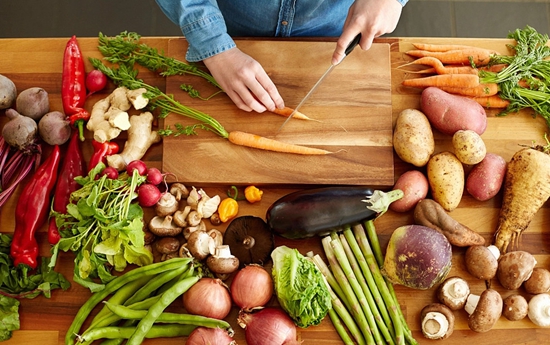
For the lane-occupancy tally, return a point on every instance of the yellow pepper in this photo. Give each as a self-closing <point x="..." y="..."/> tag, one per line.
<point x="253" y="194"/>
<point x="228" y="209"/>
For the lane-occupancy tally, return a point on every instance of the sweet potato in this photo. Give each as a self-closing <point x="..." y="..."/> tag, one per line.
<point x="526" y="189"/>
<point x="449" y="113"/>
<point x="413" y="139"/>
<point x="446" y="179"/>
<point x="485" y="179"/>
<point x="414" y="185"/>
<point x="431" y="214"/>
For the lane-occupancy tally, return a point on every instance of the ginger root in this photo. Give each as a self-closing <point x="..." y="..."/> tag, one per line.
<point x="109" y="116"/>
<point x="140" y="138"/>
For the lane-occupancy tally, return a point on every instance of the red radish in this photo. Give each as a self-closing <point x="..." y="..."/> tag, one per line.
<point x="111" y="173"/>
<point x="95" y="81"/>
<point x="148" y="195"/>
<point x="154" y="176"/>
<point x="138" y="165"/>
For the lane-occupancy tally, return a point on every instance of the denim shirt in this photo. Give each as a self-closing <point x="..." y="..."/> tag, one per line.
<point x="209" y="25"/>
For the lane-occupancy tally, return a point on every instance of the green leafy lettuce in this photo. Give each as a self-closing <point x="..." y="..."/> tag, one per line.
<point x="300" y="287"/>
<point x="9" y="317"/>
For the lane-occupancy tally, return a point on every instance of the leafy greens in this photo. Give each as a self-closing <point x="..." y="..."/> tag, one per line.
<point x="300" y="287"/>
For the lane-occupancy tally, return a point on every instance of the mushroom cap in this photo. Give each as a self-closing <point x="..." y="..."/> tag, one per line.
<point x="539" y="310"/>
<point x="437" y="321"/>
<point x="515" y="307"/>
<point x="453" y="292"/>
<point x="164" y="226"/>
<point x="250" y="240"/>
<point x="514" y="268"/>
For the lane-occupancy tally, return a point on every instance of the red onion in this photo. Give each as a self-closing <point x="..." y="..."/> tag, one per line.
<point x="252" y="287"/>
<point x="269" y="326"/>
<point x="208" y="297"/>
<point x="209" y="336"/>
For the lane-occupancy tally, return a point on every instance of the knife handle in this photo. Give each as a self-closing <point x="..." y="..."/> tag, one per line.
<point x="353" y="44"/>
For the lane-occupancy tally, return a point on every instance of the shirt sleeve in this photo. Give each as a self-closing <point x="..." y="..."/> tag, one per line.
<point x="403" y="2"/>
<point x="202" y="24"/>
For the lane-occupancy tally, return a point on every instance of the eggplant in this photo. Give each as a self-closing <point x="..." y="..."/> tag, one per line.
<point x="318" y="211"/>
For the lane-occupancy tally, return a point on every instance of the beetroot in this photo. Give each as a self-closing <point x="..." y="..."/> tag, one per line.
<point x="417" y="257"/>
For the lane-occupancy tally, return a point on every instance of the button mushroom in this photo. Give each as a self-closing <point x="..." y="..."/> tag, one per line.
<point x="482" y="261"/>
<point x="453" y="292"/>
<point x="164" y="226"/>
<point x="539" y="282"/>
<point x="514" y="268"/>
<point x="222" y="262"/>
<point x="250" y="240"/>
<point x="437" y="321"/>
<point x="515" y="307"/>
<point x="484" y="310"/>
<point x="539" y="310"/>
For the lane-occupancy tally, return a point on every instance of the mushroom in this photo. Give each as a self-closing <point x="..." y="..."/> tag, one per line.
<point x="217" y="236"/>
<point x="249" y="239"/>
<point x="539" y="310"/>
<point x="207" y="206"/>
<point x="514" y="268"/>
<point x="200" y="245"/>
<point x="222" y="262"/>
<point x="482" y="262"/>
<point x="190" y="229"/>
<point x="453" y="292"/>
<point x="484" y="310"/>
<point x="194" y="218"/>
<point x="538" y="282"/>
<point x="179" y="191"/>
<point x="166" y="205"/>
<point x="515" y="307"/>
<point x="167" y="245"/>
<point x="164" y="226"/>
<point x="180" y="216"/>
<point x="437" y="321"/>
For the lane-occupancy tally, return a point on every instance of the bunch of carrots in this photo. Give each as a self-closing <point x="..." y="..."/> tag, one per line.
<point x="508" y="82"/>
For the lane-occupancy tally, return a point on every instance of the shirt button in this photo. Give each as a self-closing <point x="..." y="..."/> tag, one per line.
<point x="284" y="22"/>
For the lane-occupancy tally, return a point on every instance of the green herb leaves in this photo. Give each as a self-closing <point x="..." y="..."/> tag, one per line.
<point x="104" y="227"/>
<point x="9" y="317"/>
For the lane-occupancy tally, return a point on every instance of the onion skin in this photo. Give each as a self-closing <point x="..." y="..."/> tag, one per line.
<point x="208" y="297"/>
<point x="252" y="287"/>
<point x="208" y="336"/>
<point x="269" y="326"/>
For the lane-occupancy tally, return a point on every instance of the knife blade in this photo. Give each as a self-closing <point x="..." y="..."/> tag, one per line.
<point x="348" y="50"/>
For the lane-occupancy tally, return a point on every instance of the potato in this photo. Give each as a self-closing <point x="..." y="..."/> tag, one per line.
<point x="413" y="139"/>
<point x="8" y="92"/>
<point x="415" y="187"/>
<point x="486" y="178"/>
<point x="446" y="179"/>
<point x="468" y="146"/>
<point x="449" y="113"/>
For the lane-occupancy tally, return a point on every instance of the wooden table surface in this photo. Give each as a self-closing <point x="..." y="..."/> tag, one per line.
<point x="38" y="62"/>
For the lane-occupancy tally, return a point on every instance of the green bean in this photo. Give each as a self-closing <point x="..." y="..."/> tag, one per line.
<point x="165" y="317"/>
<point x="115" y="284"/>
<point x="156" y="331"/>
<point x="167" y="298"/>
<point x="153" y="284"/>
<point x="120" y="296"/>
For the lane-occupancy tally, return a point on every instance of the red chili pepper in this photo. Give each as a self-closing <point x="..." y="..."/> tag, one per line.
<point x="101" y="151"/>
<point x="73" y="166"/>
<point x="73" y="88"/>
<point x="31" y="211"/>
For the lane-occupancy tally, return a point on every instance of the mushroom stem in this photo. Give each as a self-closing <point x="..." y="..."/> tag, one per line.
<point x="471" y="303"/>
<point x="435" y="325"/>
<point x="249" y="242"/>
<point x="223" y="251"/>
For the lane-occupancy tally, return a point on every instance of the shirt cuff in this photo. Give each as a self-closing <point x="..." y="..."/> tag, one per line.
<point x="203" y="46"/>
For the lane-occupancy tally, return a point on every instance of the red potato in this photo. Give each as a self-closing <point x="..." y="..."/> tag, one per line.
<point x="450" y="113"/>
<point x="486" y="177"/>
<point x="414" y="185"/>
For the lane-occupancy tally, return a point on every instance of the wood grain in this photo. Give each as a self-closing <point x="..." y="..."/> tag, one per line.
<point x="352" y="108"/>
<point x="37" y="62"/>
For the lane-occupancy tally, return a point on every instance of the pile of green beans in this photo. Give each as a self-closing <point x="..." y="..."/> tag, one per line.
<point x="135" y="303"/>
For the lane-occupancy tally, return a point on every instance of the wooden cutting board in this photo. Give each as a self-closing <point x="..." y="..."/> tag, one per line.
<point x="352" y="109"/>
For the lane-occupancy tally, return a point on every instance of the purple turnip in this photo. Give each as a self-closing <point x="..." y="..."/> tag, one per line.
<point x="20" y="132"/>
<point x="417" y="257"/>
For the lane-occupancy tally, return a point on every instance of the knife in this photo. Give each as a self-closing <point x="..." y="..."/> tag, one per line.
<point x="348" y="50"/>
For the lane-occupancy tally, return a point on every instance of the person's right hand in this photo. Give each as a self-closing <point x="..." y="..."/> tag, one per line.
<point x="244" y="80"/>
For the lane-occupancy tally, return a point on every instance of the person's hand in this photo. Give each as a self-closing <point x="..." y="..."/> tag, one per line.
<point x="371" y="18"/>
<point x="244" y="80"/>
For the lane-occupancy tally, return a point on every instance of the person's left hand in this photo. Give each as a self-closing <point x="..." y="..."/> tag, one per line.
<point x="371" y="18"/>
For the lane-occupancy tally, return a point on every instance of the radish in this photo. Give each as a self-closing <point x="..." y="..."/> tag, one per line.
<point x="154" y="176"/>
<point x="148" y="195"/>
<point x="111" y="173"/>
<point x="95" y="81"/>
<point x="137" y="165"/>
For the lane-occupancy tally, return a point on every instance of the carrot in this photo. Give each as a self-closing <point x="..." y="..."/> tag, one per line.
<point x="526" y="189"/>
<point x="478" y="56"/>
<point x="440" y="68"/>
<point x="286" y="111"/>
<point x="481" y="90"/>
<point x="442" y="47"/>
<point x="493" y="101"/>
<point x="448" y="80"/>
<point x="259" y="142"/>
